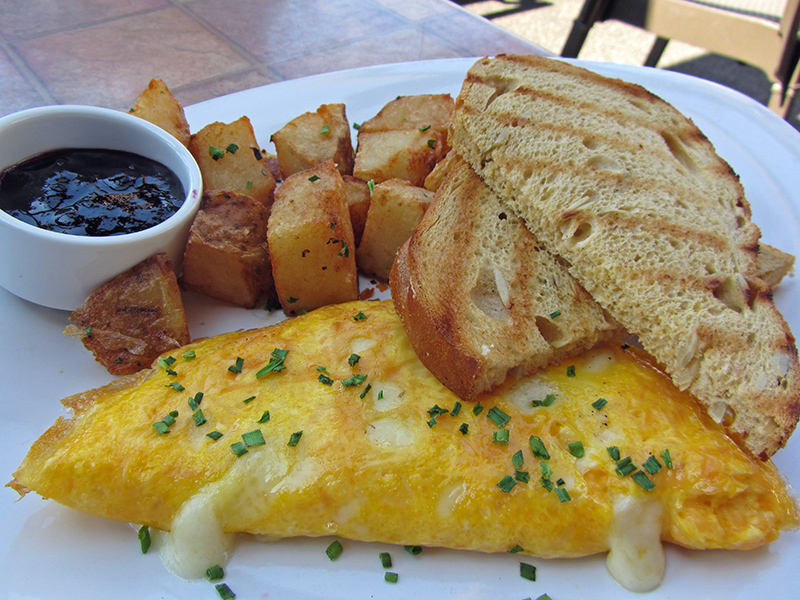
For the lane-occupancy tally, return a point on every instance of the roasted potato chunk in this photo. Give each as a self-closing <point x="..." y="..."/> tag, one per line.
<point x="133" y="318"/>
<point x="157" y="105"/>
<point x="313" y="138"/>
<point x="311" y="241"/>
<point x="395" y="209"/>
<point x="422" y="112"/>
<point x="440" y="171"/>
<point x="231" y="160"/>
<point x="408" y="154"/>
<point x="357" y="194"/>
<point x="226" y="255"/>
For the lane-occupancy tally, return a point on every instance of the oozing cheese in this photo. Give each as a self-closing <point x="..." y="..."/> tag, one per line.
<point x="636" y="558"/>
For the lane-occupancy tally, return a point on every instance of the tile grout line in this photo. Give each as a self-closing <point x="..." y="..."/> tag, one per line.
<point x="27" y="73"/>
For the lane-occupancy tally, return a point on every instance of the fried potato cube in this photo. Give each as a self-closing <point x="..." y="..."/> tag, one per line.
<point x="313" y="138"/>
<point x="358" y="195"/>
<point x="157" y="105"/>
<point x="396" y="208"/>
<point x="226" y="255"/>
<point x="422" y="112"/>
<point x="311" y="241"/>
<point x="408" y="154"/>
<point x="130" y="320"/>
<point x="231" y="160"/>
<point x="440" y="171"/>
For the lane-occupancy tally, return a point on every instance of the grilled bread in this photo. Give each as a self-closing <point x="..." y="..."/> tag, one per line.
<point x="309" y="449"/>
<point x="652" y="222"/>
<point x="479" y="297"/>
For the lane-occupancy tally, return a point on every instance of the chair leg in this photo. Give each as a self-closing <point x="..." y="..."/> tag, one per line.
<point x="655" y="52"/>
<point x="591" y="12"/>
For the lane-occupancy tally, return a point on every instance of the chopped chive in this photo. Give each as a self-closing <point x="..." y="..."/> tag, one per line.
<point x="522" y="476"/>
<point x="437" y="411"/>
<point x="613" y="452"/>
<point x="431" y="143"/>
<point x="295" y="438"/>
<point x="424" y="129"/>
<point x="517" y="459"/>
<point x="335" y="550"/>
<point x="366" y="391"/>
<point x="264" y="417"/>
<point x="563" y="494"/>
<point x="380" y="395"/>
<point x="500" y="437"/>
<point x="652" y="465"/>
<point x="507" y="483"/>
<point x="431" y="423"/>
<point x="194" y="401"/>
<point x="353" y="360"/>
<point x="548" y="400"/>
<point x="413" y="550"/>
<point x="345" y="251"/>
<point x="198" y="417"/>
<point x="456" y="409"/>
<point x="576" y="449"/>
<point x="166" y="364"/>
<point x="625" y="466"/>
<point x="232" y="148"/>
<point x="161" y="427"/>
<point x="555" y="313"/>
<point x="571" y="371"/>
<point x="643" y="480"/>
<point x="546" y="470"/>
<point x="599" y="403"/>
<point x="464" y="429"/>
<point x="325" y="379"/>
<point x="314" y="178"/>
<point x="292" y="299"/>
<point x="215" y="573"/>
<point x="144" y="538"/>
<point x="224" y="591"/>
<point x="215" y="153"/>
<point x="354" y="380"/>
<point x="325" y="129"/>
<point x="276" y="363"/>
<point x="169" y="420"/>
<point x="498" y="417"/>
<point x="214" y="435"/>
<point x="239" y="449"/>
<point x="543" y="597"/>
<point x="547" y="484"/>
<point x="666" y="458"/>
<point x="527" y="571"/>
<point x="237" y="366"/>
<point x="477" y="409"/>
<point x="248" y="185"/>
<point x="356" y="126"/>
<point x="248" y="400"/>
<point x="371" y="186"/>
<point x="175" y="386"/>
<point x="516" y="549"/>
<point x="386" y="560"/>
<point x="359" y="316"/>
<point x="253" y="438"/>
<point x="390" y="577"/>
<point x="538" y="449"/>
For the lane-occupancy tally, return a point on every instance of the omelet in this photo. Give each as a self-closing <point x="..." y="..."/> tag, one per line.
<point x="328" y="424"/>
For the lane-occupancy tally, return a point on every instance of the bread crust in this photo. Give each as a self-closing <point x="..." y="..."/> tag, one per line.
<point x="653" y="223"/>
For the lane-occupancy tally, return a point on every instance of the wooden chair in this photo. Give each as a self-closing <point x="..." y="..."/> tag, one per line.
<point x="762" y="33"/>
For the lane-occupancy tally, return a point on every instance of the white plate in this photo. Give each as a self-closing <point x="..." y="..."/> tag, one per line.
<point x="51" y="552"/>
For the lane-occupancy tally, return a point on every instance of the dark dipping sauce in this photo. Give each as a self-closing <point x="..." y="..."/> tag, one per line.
<point x="90" y="192"/>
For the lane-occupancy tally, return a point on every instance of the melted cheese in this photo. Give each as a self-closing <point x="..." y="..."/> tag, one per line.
<point x="636" y="558"/>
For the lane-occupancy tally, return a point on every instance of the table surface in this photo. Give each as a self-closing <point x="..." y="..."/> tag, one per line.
<point x="104" y="52"/>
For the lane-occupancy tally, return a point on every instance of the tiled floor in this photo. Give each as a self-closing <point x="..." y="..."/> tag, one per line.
<point x="103" y="52"/>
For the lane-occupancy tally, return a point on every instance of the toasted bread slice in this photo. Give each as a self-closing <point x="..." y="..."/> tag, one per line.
<point x="653" y="223"/>
<point x="479" y="297"/>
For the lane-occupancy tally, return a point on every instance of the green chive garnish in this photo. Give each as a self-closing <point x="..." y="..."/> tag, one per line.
<point x="264" y="417"/>
<point x="161" y="427"/>
<point x="175" y="386"/>
<point x="562" y="494"/>
<point x="413" y="550"/>
<point x="652" y="465"/>
<point x="359" y="316"/>
<point x="215" y="573"/>
<point x="390" y="577"/>
<point x="353" y="360"/>
<point x="599" y="404"/>
<point x="224" y="591"/>
<point x="253" y="438"/>
<point x="477" y="409"/>
<point x="325" y="129"/>
<point x="666" y="458"/>
<point x="464" y="429"/>
<point x="354" y="380"/>
<point x="295" y="438"/>
<point x="232" y="148"/>
<point x="501" y="437"/>
<point x="237" y="366"/>
<point x="386" y="560"/>
<point x="215" y="153"/>
<point x="517" y="459"/>
<point x="522" y="476"/>
<point x="325" y="379"/>
<point x="371" y="186"/>
<point x="625" y="466"/>
<point x="431" y="143"/>
<point x="507" y="483"/>
<point x="335" y="550"/>
<point x="527" y="571"/>
<point x="571" y="371"/>
<point x="144" y="538"/>
<point x="198" y="417"/>
<point x="214" y="435"/>
<point x="437" y="411"/>
<point x="554" y="314"/>
<point x="538" y="449"/>
<point x="275" y="364"/>
<point x="498" y="417"/>
<point x="456" y="409"/>
<point x="516" y="549"/>
<point x="576" y="449"/>
<point x="643" y="480"/>
<point x="366" y="391"/>
<point x="613" y="452"/>
<point x="239" y="449"/>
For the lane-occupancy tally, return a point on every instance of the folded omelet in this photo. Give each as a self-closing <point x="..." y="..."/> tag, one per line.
<point x="328" y="424"/>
